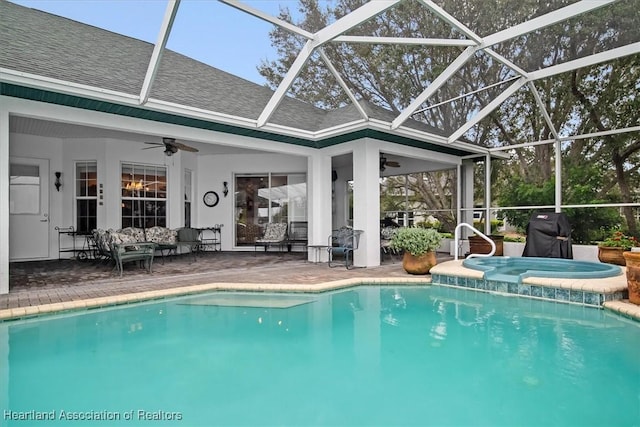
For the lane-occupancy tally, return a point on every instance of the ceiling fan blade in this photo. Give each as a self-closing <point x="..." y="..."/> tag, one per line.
<point x="155" y="145"/>
<point x="184" y="147"/>
<point x="171" y="146"/>
<point x="390" y="163"/>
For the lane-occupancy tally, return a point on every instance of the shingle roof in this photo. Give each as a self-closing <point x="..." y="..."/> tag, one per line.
<point x="43" y="44"/>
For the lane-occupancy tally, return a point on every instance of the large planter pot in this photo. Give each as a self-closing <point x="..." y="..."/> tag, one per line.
<point x="611" y="255"/>
<point x="477" y="245"/>
<point x="633" y="275"/>
<point x="420" y="264"/>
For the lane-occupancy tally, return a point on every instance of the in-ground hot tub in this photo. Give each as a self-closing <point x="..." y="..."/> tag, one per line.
<point x="508" y="269"/>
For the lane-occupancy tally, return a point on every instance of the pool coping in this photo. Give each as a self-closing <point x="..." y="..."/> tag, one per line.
<point x="19" y="313"/>
<point x="622" y="307"/>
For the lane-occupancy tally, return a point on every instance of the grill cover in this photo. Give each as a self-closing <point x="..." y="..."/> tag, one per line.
<point x="548" y="236"/>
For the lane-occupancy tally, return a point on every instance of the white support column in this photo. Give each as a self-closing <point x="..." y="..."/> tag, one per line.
<point x="4" y="365"/>
<point x="319" y="203"/>
<point x="487" y="194"/>
<point x="459" y="193"/>
<point x="366" y="203"/>
<point x="175" y="176"/>
<point x="340" y="199"/>
<point x="4" y="200"/>
<point x="467" y="172"/>
<point x="558" y="184"/>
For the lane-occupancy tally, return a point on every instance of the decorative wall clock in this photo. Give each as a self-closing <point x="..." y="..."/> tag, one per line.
<point x="211" y="198"/>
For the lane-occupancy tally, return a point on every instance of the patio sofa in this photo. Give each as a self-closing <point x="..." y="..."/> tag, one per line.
<point x="134" y="244"/>
<point x="164" y="240"/>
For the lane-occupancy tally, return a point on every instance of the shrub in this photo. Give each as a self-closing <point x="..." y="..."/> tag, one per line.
<point x="416" y="240"/>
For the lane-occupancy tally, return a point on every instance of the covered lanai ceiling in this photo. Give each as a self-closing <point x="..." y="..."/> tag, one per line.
<point x="269" y="113"/>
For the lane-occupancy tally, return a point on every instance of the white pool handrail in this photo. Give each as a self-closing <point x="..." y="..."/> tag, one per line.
<point x="479" y="233"/>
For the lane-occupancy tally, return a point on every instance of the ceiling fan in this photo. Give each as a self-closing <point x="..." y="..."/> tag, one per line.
<point x="384" y="163"/>
<point x="171" y="146"/>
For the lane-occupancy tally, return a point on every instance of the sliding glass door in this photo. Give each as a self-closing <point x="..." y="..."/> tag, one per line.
<point x="261" y="199"/>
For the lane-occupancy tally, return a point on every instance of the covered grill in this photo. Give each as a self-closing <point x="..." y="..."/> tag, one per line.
<point x="548" y="236"/>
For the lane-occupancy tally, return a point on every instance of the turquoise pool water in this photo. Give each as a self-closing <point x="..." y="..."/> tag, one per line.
<point x="514" y="269"/>
<point x="388" y="356"/>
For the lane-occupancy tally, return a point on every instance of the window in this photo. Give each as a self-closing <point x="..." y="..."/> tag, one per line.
<point x="260" y="199"/>
<point x="24" y="189"/>
<point x="187" y="198"/>
<point x="86" y="196"/>
<point x="144" y="196"/>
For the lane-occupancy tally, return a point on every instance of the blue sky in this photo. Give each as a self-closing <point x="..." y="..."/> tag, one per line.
<point x="206" y="30"/>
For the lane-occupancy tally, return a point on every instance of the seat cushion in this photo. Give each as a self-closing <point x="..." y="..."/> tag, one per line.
<point x="136" y="233"/>
<point x="275" y="232"/>
<point x="162" y="235"/>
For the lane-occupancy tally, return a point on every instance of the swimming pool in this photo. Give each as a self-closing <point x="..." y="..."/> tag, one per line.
<point x="387" y="356"/>
<point x="508" y="269"/>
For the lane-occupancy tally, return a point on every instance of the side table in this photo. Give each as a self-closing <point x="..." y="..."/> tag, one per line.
<point x="317" y="251"/>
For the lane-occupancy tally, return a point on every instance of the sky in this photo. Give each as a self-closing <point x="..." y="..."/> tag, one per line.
<point x="205" y="30"/>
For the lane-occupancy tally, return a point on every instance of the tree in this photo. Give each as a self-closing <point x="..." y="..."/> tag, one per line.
<point x="597" y="98"/>
<point x="589" y="224"/>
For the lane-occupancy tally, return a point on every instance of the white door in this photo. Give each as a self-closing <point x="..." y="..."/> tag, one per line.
<point x="28" y="208"/>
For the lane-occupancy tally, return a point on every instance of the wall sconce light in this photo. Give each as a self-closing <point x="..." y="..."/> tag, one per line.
<point x="58" y="183"/>
<point x="225" y="188"/>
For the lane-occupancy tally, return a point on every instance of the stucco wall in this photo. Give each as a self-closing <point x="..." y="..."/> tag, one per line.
<point x="214" y="170"/>
<point x="209" y="172"/>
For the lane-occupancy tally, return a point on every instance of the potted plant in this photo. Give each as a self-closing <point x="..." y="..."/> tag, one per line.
<point x="419" y="246"/>
<point x="632" y="259"/>
<point x="612" y="248"/>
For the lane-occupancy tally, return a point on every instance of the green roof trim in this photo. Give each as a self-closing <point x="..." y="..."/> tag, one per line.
<point x="389" y="137"/>
<point x="50" y="97"/>
<point x="141" y="113"/>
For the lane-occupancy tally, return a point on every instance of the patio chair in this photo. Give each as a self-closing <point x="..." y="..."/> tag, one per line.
<point x="190" y="238"/>
<point x="103" y="250"/>
<point x="275" y="234"/>
<point x="343" y="242"/>
<point x="247" y="234"/>
<point x="386" y="235"/>
<point x="297" y="234"/>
